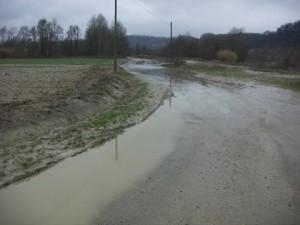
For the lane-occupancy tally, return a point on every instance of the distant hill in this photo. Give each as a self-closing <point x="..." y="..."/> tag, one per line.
<point x="149" y="42"/>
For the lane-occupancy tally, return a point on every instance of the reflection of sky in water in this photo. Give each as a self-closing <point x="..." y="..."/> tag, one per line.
<point x="154" y="71"/>
<point x="149" y="69"/>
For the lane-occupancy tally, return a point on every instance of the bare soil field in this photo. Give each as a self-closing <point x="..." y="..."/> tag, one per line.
<point x="34" y="100"/>
<point x="48" y="113"/>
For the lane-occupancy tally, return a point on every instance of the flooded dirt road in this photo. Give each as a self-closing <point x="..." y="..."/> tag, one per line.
<point x="209" y="155"/>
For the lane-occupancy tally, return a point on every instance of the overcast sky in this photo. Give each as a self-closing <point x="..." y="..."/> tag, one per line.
<point x="152" y="17"/>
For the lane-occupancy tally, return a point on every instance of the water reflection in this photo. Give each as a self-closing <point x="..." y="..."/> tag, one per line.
<point x="171" y="84"/>
<point x="116" y="149"/>
<point x="170" y="101"/>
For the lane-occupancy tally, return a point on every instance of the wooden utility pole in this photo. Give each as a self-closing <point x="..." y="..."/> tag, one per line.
<point x="115" y="37"/>
<point x="171" y="42"/>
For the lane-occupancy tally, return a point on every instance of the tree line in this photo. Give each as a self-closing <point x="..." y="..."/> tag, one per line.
<point x="48" y="39"/>
<point x="280" y="48"/>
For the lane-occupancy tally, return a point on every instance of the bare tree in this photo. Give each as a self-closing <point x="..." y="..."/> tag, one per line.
<point x="57" y="31"/>
<point x="3" y="34"/>
<point x="73" y="35"/>
<point x="237" y="30"/>
<point x="50" y="38"/>
<point x="49" y="33"/>
<point x="70" y="39"/>
<point x="77" y="33"/>
<point x="34" y="33"/>
<point x="24" y="34"/>
<point x="23" y="41"/>
<point x="43" y="36"/>
<point x="123" y="45"/>
<point x="46" y="39"/>
<point x="97" y="34"/>
<point x="11" y="34"/>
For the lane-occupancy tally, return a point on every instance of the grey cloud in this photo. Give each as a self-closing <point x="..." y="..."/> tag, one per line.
<point x="153" y="16"/>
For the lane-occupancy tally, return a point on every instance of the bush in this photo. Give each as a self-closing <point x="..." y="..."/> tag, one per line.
<point x="226" y="55"/>
<point x="6" y="52"/>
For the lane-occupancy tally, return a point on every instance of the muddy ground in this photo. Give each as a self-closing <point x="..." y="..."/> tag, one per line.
<point x="34" y="100"/>
<point x="48" y="113"/>
<point x="221" y="74"/>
